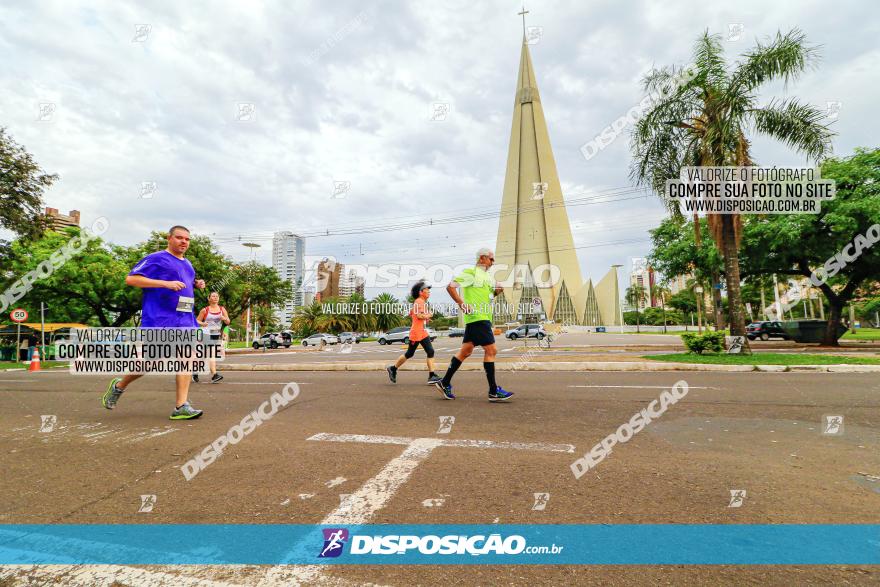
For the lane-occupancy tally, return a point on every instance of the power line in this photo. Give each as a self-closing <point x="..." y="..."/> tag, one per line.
<point x="609" y="197"/>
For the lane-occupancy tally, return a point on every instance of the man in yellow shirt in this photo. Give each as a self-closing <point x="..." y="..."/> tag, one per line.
<point x="477" y="287"/>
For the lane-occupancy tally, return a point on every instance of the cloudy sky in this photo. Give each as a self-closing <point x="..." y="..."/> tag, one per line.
<point x="110" y="95"/>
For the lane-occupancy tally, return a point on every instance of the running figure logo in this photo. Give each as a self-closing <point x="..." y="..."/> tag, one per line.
<point x="446" y="423"/>
<point x="147" y="504"/>
<point x="541" y="500"/>
<point x="832" y="425"/>
<point x="737" y="498"/>
<point x="48" y="422"/>
<point x="334" y="541"/>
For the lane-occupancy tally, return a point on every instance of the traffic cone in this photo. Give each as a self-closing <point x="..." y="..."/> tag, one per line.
<point x="35" y="360"/>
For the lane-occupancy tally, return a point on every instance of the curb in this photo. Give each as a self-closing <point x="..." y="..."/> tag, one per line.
<point x="564" y="366"/>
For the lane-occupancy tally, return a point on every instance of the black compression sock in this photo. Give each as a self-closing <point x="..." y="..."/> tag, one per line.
<point x="490" y="374"/>
<point x="454" y="364"/>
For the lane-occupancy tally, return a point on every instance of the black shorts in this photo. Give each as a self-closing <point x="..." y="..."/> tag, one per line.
<point x="479" y="333"/>
<point x="426" y="344"/>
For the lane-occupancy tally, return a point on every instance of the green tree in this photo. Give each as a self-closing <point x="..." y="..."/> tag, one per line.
<point x="703" y="122"/>
<point x="796" y="244"/>
<point x="88" y="288"/>
<point x="635" y="295"/>
<point x="360" y="318"/>
<point x="385" y="318"/>
<point x="306" y="319"/>
<point x="22" y="184"/>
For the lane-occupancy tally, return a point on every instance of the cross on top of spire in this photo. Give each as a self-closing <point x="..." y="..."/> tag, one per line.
<point x="523" y="14"/>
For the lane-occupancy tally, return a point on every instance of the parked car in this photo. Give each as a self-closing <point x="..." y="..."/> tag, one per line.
<point x="401" y="334"/>
<point x="526" y="331"/>
<point x="320" y="339"/>
<point x="453" y="332"/>
<point x="766" y="330"/>
<point x="273" y="340"/>
<point x="350" y="337"/>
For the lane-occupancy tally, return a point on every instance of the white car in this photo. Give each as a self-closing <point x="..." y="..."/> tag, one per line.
<point x="320" y="339"/>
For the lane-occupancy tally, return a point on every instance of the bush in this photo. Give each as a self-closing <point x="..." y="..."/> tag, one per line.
<point x="698" y="343"/>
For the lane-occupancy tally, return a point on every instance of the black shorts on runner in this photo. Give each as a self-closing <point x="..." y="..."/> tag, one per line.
<point x="426" y="344"/>
<point x="479" y="333"/>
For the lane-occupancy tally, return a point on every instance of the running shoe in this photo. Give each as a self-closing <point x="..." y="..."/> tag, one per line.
<point x="195" y="378"/>
<point x="499" y="395"/>
<point x="392" y="373"/>
<point x="111" y="396"/>
<point x="185" y="412"/>
<point x="446" y="390"/>
<point x="433" y="379"/>
<point x="216" y="378"/>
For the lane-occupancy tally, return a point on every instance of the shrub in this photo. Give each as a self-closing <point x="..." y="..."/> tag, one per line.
<point x="708" y="341"/>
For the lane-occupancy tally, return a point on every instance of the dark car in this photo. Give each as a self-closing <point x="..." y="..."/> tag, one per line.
<point x="766" y="330"/>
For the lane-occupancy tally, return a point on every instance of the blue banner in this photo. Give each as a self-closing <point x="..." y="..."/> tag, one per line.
<point x="594" y="544"/>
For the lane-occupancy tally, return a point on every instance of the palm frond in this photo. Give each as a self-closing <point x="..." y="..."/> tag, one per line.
<point x="786" y="56"/>
<point x="798" y="125"/>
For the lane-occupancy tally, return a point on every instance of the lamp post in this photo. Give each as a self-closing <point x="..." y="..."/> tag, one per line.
<point x="247" y="330"/>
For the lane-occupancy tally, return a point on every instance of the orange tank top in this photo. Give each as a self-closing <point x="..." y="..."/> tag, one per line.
<point x="417" y="331"/>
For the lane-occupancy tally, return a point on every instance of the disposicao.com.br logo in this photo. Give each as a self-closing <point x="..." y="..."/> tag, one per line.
<point x="454" y="544"/>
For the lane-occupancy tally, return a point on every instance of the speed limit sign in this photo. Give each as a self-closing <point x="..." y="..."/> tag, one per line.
<point x="19" y="315"/>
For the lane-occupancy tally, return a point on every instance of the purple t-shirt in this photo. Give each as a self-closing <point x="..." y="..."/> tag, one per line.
<point x="162" y="307"/>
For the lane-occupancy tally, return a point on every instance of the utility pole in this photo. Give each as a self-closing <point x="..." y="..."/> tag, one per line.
<point x="43" y="308"/>
<point x="247" y="331"/>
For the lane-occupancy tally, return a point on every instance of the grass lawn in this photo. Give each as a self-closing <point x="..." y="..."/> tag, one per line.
<point x="863" y="334"/>
<point x="765" y="359"/>
<point x="44" y="364"/>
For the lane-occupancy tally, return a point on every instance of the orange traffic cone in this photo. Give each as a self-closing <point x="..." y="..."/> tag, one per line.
<point x="35" y="360"/>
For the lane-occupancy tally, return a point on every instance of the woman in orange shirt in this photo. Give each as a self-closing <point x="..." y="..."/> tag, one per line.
<point x="418" y="334"/>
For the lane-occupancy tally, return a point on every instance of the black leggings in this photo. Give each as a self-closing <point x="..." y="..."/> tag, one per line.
<point x="426" y="344"/>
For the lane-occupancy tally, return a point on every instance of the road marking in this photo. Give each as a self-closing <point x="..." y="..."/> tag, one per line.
<point x="258" y="383"/>
<point x="403" y="440"/>
<point x="373" y="495"/>
<point x="638" y="386"/>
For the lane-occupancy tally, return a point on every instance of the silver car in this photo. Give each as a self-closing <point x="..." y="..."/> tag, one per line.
<point x="320" y="339"/>
<point x="400" y="334"/>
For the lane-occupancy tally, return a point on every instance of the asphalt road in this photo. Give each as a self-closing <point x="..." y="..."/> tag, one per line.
<point x="750" y="431"/>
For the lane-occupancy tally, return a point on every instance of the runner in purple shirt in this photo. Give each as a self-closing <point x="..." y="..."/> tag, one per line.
<point x="167" y="279"/>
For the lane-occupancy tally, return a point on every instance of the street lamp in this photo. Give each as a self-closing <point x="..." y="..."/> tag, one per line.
<point x="247" y="330"/>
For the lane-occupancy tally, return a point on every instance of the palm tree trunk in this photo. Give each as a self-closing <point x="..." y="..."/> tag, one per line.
<point x="731" y="270"/>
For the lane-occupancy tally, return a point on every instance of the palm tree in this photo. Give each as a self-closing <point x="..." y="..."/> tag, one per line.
<point x="385" y="318"/>
<point x="306" y="321"/>
<point x="662" y="292"/>
<point x="703" y="122"/>
<point x="634" y="296"/>
<point x="361" y="320"/>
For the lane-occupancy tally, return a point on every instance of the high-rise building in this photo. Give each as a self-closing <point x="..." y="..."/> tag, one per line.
<point x="58" y="220"/>
<point x="328" y="275"/>
<point x="288" y="250"/>
<point x="642" y="275"/>
<point x="350" y="283"/>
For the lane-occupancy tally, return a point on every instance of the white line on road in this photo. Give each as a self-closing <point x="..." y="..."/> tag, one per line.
<point x="379" y="439"/>
<point x="638" y="386"/>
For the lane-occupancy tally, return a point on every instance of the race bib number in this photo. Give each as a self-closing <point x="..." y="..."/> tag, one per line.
<point x="185" y="304"/>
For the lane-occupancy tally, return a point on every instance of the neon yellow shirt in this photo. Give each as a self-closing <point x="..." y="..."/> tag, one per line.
<point x="477" y="287"/>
